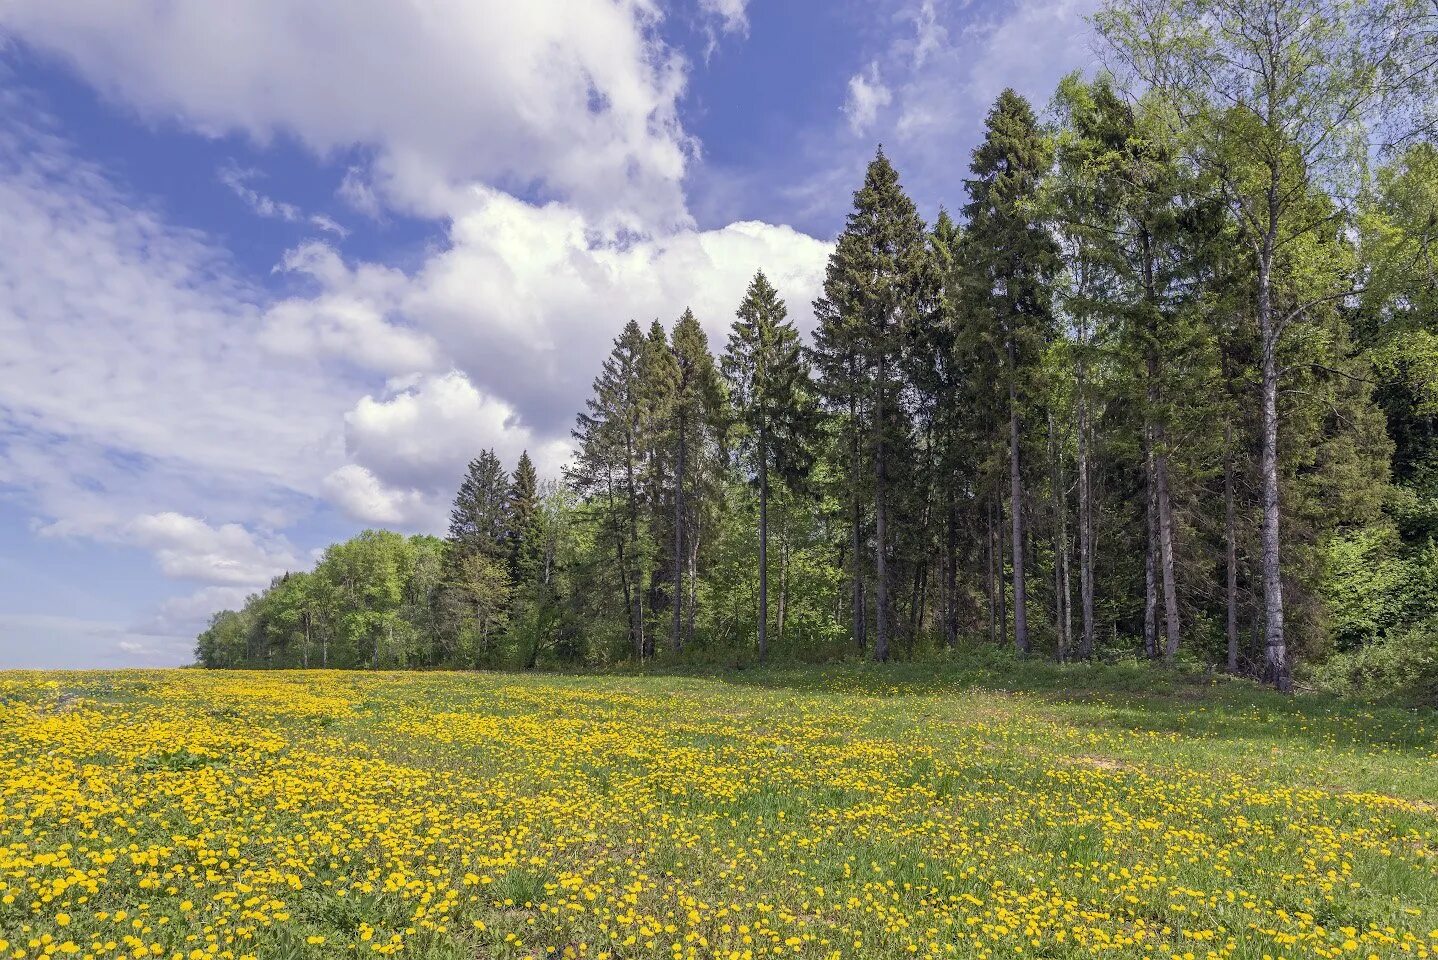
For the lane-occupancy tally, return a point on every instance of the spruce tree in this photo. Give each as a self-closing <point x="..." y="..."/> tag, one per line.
<point x="479" y="520"/>
<point x="872" y="302"/>
<point x="658" y="398"/>
<point x="607" y="465"/>
<point x="774" y="411"/>
<point x="523" y="507"/>
<point x="696" y="419"/>
<point x="1009" y="260"/>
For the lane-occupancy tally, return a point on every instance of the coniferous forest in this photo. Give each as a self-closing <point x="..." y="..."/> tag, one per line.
<point x="1162" y="382"/>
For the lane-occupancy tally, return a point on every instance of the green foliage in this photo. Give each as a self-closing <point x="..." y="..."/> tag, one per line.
<point x="1401" y="667"/>
<point x="1168" y="384"/>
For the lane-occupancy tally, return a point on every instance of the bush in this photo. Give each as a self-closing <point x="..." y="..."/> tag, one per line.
<point x="1403" y="665"/>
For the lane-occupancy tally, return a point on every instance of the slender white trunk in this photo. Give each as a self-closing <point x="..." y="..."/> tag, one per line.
<point x="1275" y="649"/>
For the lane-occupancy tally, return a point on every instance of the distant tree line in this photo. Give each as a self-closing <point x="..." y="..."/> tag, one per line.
<point x="1167" y="387"/>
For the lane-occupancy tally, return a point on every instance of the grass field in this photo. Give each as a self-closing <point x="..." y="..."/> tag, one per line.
<point x="961" y="810"/>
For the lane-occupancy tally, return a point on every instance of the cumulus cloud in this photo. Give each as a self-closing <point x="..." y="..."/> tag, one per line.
<point x="352" y="318"/>
<point x="525" y="302"/>
<point x="867" y="96"/>
<point x="409" y="449"/>
<point x="188" y="548"/>
<point x="576" y="98"/>
<point x="147" y="384"/>
<point x="364" y="497"/>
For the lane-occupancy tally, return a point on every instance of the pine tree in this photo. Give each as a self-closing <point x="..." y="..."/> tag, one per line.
<point x="1009" y="260"/>
<point x="872" y="301"/>
<point x="775" y="414"/>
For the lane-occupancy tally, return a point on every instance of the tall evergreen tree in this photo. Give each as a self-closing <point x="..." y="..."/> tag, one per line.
<point x="523" y="507"/>
<point x="774" y="410"/>
<point x="607" y="465"/>
<point x="697" y="420"/>
<point x="872" y="301"/>
<point x="479" y="520"/>
<point x="1009" y="260"/>
<point x="658" y="402"/>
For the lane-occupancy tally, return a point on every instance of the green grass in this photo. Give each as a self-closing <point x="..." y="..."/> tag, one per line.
<point x="975" y="807"/>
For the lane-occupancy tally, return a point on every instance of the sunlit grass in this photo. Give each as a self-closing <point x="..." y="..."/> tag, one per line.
<point x="965" y="810"/>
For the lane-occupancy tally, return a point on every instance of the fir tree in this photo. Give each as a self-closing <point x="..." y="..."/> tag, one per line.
<point x="523" y="507"/>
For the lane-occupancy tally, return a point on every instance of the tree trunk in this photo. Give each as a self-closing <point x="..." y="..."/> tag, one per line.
<point x="1275" y="649"/>
<point x="693" y="606"/>
<point x="635" y="637"/>
<point x="763" y="551"/>
<point x="951" y="576"/>
<point x="1062" y="596"/>
<point x="881" y="542"/>
<point x="783" y="584"/>
<point x="1016" y="496"/>
<point x="1230" y="534"/>
<point x="989" y="578"/>
<point x="675" y="643"/>
<point x="1157" y="435"/>
<point x="1085" y="520"/>
<point x="1150" y="586"/>
<point x="855" y="553"/>
<point x="636" y="613"/>
<point x="1003" y="594"/>
<point x="916" y="599"/>
<point x="1165" y="546"/>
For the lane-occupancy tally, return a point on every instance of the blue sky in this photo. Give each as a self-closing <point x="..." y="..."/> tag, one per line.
<point x="272" y="273"/>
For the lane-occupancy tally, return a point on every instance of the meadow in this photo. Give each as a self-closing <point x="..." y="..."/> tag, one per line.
<point x="851" y="811"/>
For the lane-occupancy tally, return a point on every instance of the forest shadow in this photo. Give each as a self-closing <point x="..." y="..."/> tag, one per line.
<point x="1121" y="695"/>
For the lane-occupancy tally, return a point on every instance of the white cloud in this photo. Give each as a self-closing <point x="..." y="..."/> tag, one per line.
<point x="130" y="373"/>
<point x="188" y="548"/>
<point x="356" y="190"/>
<point x="867" y="96"/>
<point x="525" y="303"/>
<point x="363" y="496"/>
<point x="576" y="98"/>
<point x="351" y="319"/>
<point x="239" y="180"/>
<point x="409" y="449"/>
<point x="731" y="14"/>
<point x="145" y="384"/>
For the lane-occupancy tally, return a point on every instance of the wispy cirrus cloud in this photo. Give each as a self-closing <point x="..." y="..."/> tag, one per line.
<point x="239" y="181"/>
